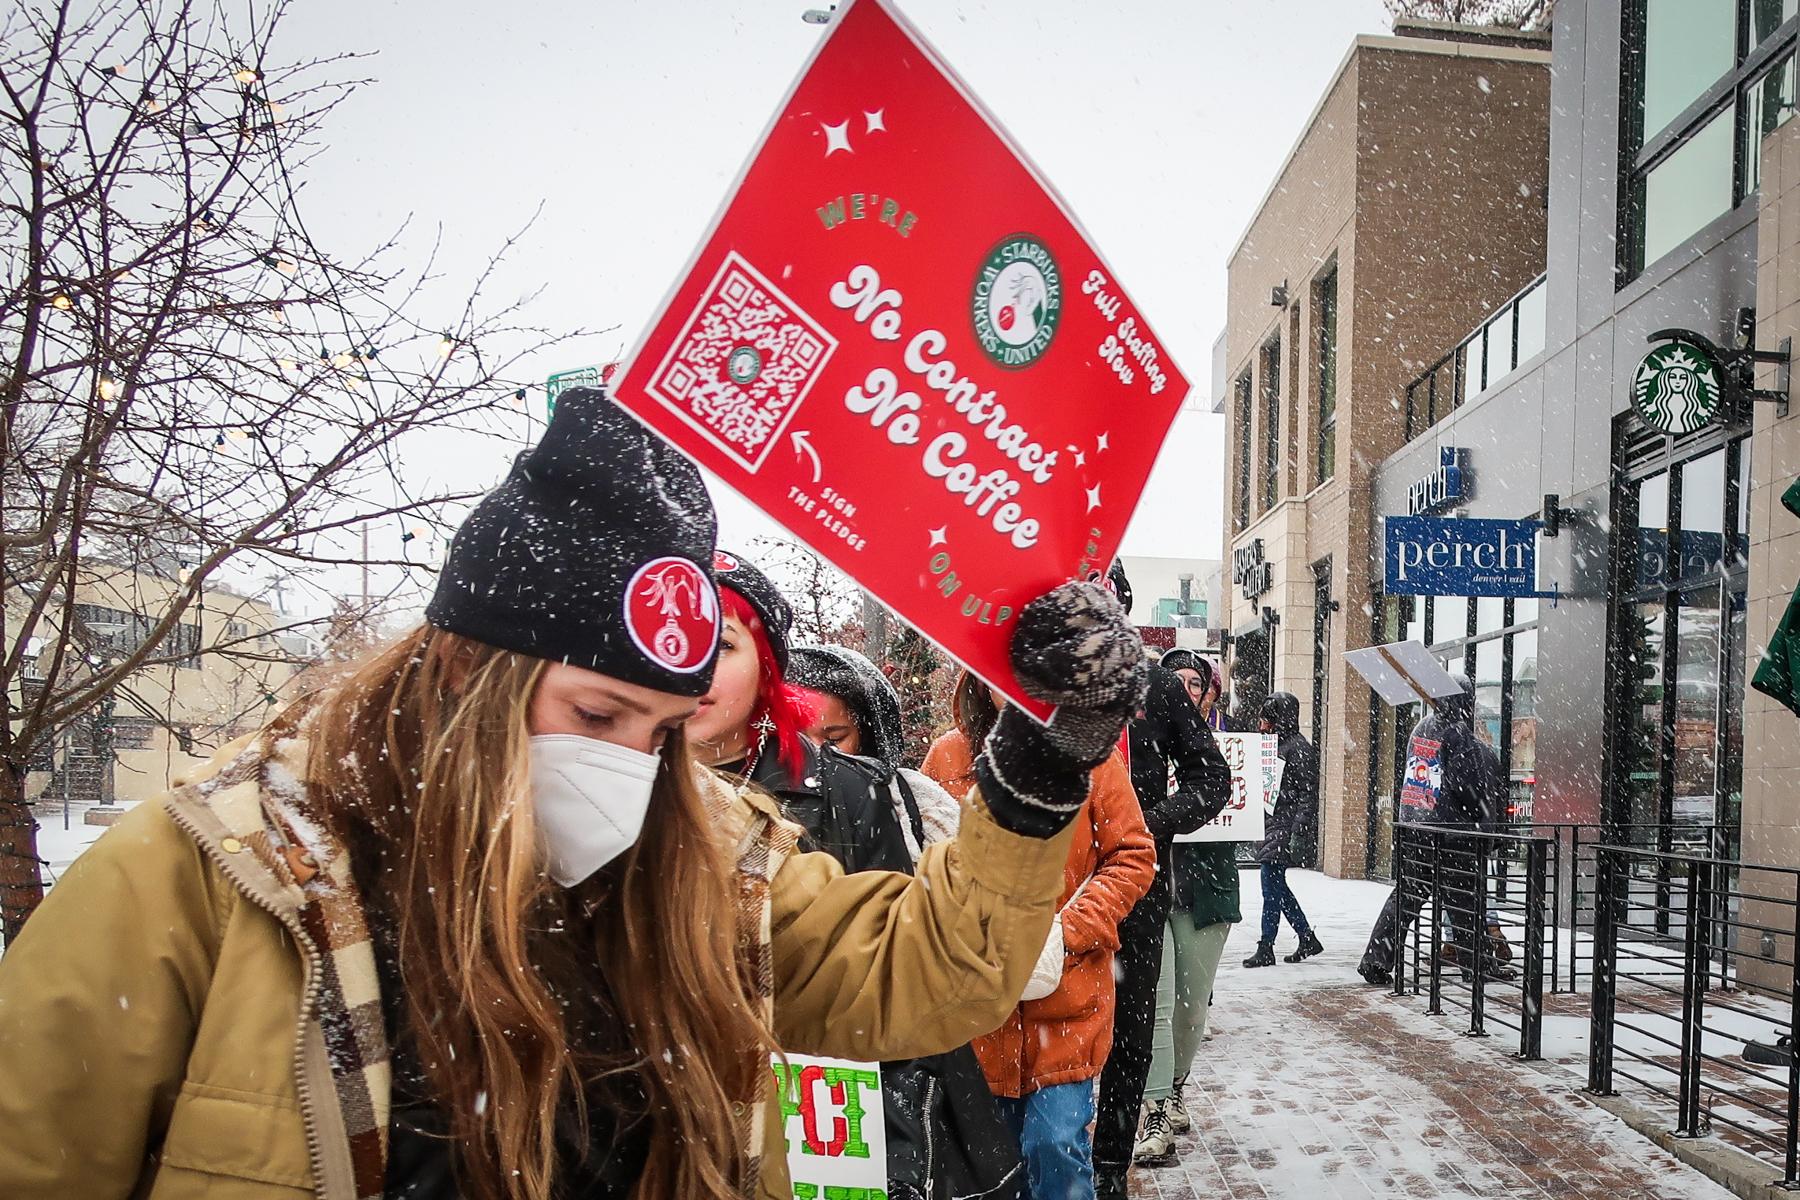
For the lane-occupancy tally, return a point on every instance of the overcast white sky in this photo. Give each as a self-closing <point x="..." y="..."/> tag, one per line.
<point x="1162" y="122"/>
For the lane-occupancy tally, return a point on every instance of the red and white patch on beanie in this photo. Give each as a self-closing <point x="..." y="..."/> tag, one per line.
<point x="672" y="613"/>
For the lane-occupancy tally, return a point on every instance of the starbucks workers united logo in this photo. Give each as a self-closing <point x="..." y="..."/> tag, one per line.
<point x="1676" y="388"/>
<point x="1017" y="301"/>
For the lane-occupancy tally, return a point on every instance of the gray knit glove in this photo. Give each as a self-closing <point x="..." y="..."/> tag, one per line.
<point x="1075" y="648"/>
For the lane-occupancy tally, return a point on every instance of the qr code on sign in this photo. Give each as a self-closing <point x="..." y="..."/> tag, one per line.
<point x="743" y="363"/>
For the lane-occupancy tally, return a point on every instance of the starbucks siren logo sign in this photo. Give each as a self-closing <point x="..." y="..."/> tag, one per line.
<point x="1677" y="388"/>
<point x="1017" y="301"/>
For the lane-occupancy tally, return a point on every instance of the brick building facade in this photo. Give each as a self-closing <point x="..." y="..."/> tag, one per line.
<point x="1412" y="205"/>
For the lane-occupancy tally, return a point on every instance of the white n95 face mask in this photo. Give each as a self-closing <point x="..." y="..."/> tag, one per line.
<point x="590" y="799"/>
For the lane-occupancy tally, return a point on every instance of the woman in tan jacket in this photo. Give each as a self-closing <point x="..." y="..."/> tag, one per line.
<point x="468" y="922"/>
<point x="1043" y="1060"/>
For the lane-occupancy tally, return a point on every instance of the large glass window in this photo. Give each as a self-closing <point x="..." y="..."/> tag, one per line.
<point x="1701" y="93"/>
<point x="1271" y="406"/>
<point x="1325" y="464"/>
<point x="1688" y="44"/>
<point x="1492" y="641"/>
<point x="1685" y="190"/>
<point x="1677" y="656"/>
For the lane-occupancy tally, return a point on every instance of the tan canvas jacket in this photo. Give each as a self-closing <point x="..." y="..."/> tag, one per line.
<point x="160" y="1016"/>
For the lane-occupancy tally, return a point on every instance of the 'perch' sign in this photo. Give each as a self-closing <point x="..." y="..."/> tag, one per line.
<point x="897" y="342"/>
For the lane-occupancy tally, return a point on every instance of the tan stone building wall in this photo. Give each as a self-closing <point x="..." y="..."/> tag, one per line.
<point x="1419" y="181"/>
<point x="1771" y="816"/>
<point x="220" y="693"/>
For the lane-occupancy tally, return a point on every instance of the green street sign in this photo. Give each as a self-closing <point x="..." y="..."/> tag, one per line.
<point x="562" y="381"/>
<point x="1678" y="387"/>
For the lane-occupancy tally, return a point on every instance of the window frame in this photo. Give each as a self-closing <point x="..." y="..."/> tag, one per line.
<point x="1638" y="158"/>
<point x="1244" y="389"/>
<point x="1325" y="376"/>
<point x="1270" y="397"/>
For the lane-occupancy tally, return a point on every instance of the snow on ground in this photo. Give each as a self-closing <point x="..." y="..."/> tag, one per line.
<point x="1317" y="1085"/>
<point x="58" y="846"/>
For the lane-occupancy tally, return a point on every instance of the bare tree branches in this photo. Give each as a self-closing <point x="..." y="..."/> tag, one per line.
<point x="188" y="381"/>
<point x="1511" y="14"/>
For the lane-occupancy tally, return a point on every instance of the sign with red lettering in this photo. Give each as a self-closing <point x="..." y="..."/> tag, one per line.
<point x="1255" y="782"/>
<point x="835" y="1126"/>
<point x="897" y="342"/>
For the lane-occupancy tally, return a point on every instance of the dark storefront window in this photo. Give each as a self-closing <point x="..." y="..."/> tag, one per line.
<point x="1241" y="501"/>
<point x="1703" y="81"/>
<point x="1271" y="418"/>
<point x="1325" y="459"/>
<point x="1493" y="642"/>
<point x="1677" y="659"/>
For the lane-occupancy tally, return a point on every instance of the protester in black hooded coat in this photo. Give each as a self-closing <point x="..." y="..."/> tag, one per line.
<point x="1288" y="830"/>
<point x="1453" y="779"/>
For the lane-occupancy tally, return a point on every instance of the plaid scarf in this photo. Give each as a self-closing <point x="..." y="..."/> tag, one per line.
<point x="764" y="842"/>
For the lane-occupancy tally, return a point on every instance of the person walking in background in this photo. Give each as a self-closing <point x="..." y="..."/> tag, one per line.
<point x="1453" y="779"/>
<point x="1288" y="829"/>
<point x="1042" y="1062"/>
<point x="857" y="711"/>
<point x="1181" y="781"/>
<point x="1204" y="906"/>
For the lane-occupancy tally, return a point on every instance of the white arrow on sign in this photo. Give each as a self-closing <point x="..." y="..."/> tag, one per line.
<point x="802" y="446"/>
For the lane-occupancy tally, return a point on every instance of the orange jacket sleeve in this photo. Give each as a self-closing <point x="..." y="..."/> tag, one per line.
<point x="1124" y="862"/>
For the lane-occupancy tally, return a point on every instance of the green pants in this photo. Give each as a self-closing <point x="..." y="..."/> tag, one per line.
<point x="1190" y="962"/>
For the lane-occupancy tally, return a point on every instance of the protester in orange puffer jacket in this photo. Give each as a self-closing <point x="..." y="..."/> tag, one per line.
<point x="1042" y="1062"/>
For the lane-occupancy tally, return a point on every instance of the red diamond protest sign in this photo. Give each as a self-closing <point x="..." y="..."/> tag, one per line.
<point x="897" y="342"/>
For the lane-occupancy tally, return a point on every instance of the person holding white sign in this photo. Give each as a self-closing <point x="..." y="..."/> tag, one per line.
<point x="1204" y="883"/>
<point x="469" y="923"/>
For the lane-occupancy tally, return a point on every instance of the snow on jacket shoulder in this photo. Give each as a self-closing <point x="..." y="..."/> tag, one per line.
<point x="1066" y="1036"/>
<point x="151" y="1041"/>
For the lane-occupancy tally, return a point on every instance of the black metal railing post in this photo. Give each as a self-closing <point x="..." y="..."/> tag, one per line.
<point x="1693" y="992"/>
<point x="1556" y="909"/>
<point x="1402" y="880"/>
<point x="1791" y="1159"/>
<point x="1477" y="943"/>
<point x="1605" y="971"/>
<point x="1575" y="910"/>
<point x="1531" y="1012"/>
<point x="1436" y="1007"/>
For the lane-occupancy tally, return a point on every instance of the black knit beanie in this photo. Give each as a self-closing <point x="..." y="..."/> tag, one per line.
<point x="771" y="607"/>
<point x="1181" y="658"/>
<point x="594" y="553"/>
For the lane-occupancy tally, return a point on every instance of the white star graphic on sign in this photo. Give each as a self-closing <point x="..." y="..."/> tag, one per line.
<point x="939" y="535"/>
<point x="875" y="121"/>
<point x="1102" y="442"/>
<point x="1080" y="458"/>
<point x="837" y="137"/>
<point x="1093" y="495"/>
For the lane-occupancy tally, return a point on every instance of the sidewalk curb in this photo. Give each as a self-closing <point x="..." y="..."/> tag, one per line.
<point x="1740" y="1173"/>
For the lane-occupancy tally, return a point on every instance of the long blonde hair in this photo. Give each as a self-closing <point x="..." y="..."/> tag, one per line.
<point x="420" y="762"/>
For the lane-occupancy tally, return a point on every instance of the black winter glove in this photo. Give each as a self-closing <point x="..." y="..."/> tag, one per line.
<point x="1074" y="647"/>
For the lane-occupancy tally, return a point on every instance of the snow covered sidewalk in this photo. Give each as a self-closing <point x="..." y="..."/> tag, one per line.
<point x="1317" y="1086"/>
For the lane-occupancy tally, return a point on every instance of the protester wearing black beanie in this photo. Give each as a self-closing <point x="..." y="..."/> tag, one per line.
<point x="771" y="607"/>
